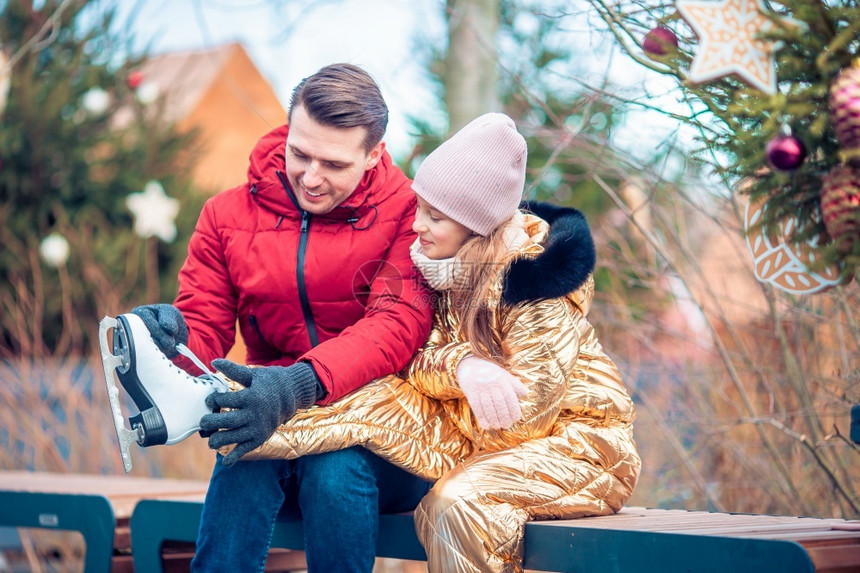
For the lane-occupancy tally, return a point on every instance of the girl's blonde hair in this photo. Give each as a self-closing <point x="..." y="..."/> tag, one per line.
<point x="481" y="259"/>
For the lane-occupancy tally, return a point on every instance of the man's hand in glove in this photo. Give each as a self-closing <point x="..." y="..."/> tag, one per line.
<point x="492" y="392"/>
<point x="271" y="397"/>
<point x="166" y="325"/>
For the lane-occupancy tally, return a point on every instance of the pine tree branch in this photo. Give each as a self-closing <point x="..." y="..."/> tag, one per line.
<point x="825" y="18"/>
<point x="38" y="41"/>
<point x="691" y="119"/>
<point x="614" y="22"/>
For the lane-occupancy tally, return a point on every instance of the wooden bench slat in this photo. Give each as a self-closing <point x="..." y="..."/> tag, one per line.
<point x="811" y="537"/>
<point x="835" y="558"/>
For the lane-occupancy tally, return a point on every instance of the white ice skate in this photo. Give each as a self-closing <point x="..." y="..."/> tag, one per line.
<point x="170" y="401"/>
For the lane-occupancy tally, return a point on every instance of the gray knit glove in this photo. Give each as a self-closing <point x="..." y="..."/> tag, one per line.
<point x="271" y="397"/>
<point x="165" y="324"/>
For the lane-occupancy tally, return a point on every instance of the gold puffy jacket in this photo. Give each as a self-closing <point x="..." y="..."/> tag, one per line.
<point x="571" y="455"/>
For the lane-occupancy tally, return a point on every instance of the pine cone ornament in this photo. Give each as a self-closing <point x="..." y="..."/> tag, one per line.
<point x="845" y="109"/>
<point x="840" y="206"/>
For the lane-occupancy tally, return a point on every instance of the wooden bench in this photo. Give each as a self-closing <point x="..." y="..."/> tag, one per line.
<point x="124" y="519"/>
<point x="634" y="540"/>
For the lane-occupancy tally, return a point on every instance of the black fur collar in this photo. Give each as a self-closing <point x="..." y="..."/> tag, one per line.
<point x="564" y="265"/>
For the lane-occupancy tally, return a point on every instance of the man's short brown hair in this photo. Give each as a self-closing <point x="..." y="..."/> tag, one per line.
<point x="343" y="95"/>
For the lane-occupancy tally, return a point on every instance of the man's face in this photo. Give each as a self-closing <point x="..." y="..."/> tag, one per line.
<point x="324" y="164"/>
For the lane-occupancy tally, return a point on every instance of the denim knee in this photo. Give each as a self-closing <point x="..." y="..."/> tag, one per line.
<point x="341" y="473"/>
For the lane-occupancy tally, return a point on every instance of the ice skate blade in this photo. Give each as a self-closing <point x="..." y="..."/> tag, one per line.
<point x="110" y="362"/>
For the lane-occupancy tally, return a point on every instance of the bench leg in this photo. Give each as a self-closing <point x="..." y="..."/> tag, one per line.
<point x="153" y="522"/>
<point x="91" y="515"/>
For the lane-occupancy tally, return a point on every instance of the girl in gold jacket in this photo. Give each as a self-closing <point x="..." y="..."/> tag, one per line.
<point x="512" y="404"/>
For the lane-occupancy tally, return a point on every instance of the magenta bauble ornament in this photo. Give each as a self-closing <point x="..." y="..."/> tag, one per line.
<point x="660" y="41"/>
<point x="785" y="152"/>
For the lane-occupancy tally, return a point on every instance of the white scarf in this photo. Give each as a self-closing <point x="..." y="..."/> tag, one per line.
<point x="442" y="274"/>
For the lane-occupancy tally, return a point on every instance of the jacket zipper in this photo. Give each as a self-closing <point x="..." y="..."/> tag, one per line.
<point x="300" y="276"/>
<point x="300" y="264"/>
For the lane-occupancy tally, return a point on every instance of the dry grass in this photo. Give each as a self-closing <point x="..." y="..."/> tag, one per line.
<point x="744" y="391"/>
<point x="56" y="418"/>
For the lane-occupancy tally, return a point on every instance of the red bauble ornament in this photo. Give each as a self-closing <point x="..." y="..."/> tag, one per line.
<point x="134" y="79"/>
<point x="840" y="206"/>
<point x="660" y="41"/>
<point x="785" y="152"/>
<point x="845" y="109"/>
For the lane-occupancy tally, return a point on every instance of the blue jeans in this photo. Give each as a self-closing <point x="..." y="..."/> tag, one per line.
<point x="339" y="496"/>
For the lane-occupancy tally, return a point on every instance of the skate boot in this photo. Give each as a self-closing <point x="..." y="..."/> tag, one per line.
<point x="170" y="401"/>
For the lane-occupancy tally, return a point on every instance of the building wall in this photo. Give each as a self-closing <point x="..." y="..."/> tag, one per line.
<point x="233" y="112"/>
<point x="237" y="108"/>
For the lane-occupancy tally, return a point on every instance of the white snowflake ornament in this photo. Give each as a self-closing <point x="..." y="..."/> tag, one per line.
<point x="728" y="33"/>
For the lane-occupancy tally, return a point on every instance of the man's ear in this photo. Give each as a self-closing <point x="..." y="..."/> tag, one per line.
<point x="375" y="155"/>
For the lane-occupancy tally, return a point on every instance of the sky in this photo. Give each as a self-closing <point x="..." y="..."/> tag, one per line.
<point x="290" y="40"/>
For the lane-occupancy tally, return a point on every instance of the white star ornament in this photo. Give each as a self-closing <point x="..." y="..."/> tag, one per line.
<point x="154" y="212"/>
<point x="729" y="41"/>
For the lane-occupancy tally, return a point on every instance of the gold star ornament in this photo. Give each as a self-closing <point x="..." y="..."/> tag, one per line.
<point x="729" y="41"/>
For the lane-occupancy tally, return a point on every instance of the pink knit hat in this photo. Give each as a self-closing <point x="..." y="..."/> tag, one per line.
<point x="477" y="176"/>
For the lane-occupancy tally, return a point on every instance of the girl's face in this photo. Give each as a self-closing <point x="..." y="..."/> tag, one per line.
<point x="440" y="236"/>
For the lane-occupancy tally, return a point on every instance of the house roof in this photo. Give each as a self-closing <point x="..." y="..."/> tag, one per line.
<point x="183" y="78"/>
<point x="221" y="95"/>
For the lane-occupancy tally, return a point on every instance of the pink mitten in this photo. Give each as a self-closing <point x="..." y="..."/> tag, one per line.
<point x="492" y="392"/>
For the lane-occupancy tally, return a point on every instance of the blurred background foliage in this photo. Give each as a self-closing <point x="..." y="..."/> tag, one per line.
<point x="74" y="143"/>
<point x="743" y="390"/>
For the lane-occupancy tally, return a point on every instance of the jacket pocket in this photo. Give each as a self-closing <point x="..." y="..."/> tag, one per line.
<point x="252" y="319"/>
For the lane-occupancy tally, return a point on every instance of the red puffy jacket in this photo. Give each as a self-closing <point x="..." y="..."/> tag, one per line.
<point x="337" y="290"/>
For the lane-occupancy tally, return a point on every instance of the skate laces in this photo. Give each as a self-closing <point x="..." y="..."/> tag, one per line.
<point x="208" y="376"/>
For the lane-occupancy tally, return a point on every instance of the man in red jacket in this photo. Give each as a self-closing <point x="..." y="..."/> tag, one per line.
<point x="311" y="257"/>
